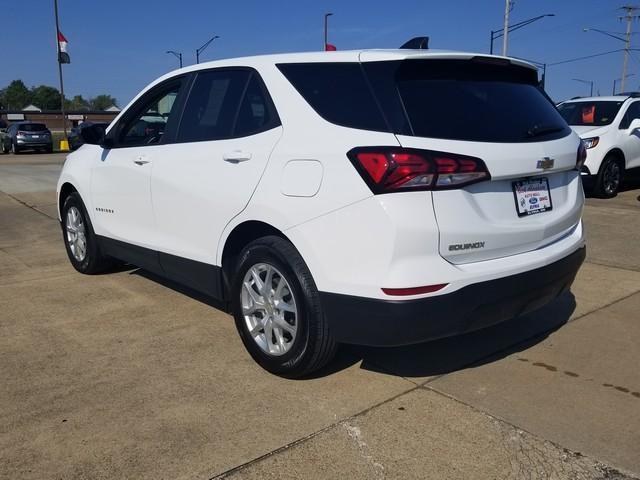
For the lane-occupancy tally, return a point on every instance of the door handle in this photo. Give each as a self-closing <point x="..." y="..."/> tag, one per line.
<point x="141" y="160"/>
<point x="236" y="156"/>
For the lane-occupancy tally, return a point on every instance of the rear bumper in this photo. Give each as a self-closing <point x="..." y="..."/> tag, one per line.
<point x="377" y="322"/>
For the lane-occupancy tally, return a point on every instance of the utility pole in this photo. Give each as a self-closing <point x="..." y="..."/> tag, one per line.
<point x="629" y="17"/>
<point x="508" y="5"/>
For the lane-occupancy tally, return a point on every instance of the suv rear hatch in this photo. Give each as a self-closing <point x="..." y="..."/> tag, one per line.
<point x="491" y="109"/>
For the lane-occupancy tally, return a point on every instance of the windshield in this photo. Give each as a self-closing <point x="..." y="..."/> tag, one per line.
<point x="593" y="114"/>
<point x="32" y="127"/>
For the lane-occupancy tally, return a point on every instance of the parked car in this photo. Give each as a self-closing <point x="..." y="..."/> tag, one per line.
<point x="22" y="136"/>
<point x="75" y="137"/>
<point x="370" y="197"/>
<point x="610" y="129"/>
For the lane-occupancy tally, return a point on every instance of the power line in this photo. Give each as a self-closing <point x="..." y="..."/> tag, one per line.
<point x="585" y="57"/>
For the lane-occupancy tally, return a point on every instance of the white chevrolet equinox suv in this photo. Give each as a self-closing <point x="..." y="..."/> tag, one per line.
<point x="377" y="197"/>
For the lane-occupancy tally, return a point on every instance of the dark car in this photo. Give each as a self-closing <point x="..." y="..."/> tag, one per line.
<point x="22" y="136"/>
<point x="75" y="135"/>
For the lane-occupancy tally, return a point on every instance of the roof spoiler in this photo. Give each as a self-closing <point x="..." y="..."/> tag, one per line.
<point x="417" y="43"/>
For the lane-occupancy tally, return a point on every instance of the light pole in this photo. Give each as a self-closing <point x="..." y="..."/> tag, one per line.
<point x="588" y="82"/>
<point x="627" y="45"/>
<point x="176" y="54"/>
<point x="326" y="30"/>
<point x="500" y="33"/>
<point x="60" y="61"/>
<point x="201" y="49"/>
<point x="620" y="80"/>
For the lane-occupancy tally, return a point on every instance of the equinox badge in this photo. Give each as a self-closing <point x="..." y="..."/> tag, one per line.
<point x="546" y="163"/>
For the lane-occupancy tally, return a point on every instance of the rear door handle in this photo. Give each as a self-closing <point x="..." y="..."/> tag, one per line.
<point x="236" y="156"/>
<point x="141" y="160"/>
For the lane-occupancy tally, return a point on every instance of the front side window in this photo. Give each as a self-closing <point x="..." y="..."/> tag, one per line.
<point x="148" y="126"/>
<point x="594" y="114"/>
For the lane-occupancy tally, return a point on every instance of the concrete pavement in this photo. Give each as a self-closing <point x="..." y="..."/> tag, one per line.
<point x="125" y="376"/>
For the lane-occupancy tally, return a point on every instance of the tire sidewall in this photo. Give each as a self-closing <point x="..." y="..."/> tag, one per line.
<point x="74" y="200"/>
<point x="303" y="294"/>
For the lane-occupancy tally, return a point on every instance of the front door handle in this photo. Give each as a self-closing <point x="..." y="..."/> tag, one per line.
<point x="236" y="156"/>
<point x="141" y="160"/>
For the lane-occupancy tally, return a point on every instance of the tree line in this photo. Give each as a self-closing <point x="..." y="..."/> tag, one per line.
<point x="16" y="96"/>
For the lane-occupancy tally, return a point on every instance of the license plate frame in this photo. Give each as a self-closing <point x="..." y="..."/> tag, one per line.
<point x="532" y="196"/>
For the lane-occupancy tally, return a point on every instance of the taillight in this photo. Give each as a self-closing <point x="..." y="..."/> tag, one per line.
<point x="392" y="169"/>
<point x="582" y="156"/>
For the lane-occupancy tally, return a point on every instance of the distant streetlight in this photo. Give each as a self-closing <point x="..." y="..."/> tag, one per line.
<point x="178" y="55"/>
<point x="499" y="33"/>
<point x="326" y="30"/>
<point x="201" y="49"/>
<point x="619" y="80"/>
<point x="588" y="82"/>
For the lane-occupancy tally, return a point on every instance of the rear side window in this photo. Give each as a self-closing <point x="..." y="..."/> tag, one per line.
<point x="338" y="92"/>
<point x="255" y="113"/>
<point x="474" y="101"/>
<point x="594" y="114"/>
<point x="212" y="105"/>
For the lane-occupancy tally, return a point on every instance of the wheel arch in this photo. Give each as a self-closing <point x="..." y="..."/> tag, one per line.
<point x="243" y="234"/>
<point x="66" y="189"/>
<point x="619" y="154"/>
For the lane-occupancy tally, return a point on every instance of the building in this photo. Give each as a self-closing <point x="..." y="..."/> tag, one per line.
<point x="53" y="118"/>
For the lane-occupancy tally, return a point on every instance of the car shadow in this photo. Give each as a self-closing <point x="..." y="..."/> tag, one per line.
<point x="434" y="358"/>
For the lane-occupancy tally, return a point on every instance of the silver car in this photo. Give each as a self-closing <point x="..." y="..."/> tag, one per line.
<point x="25" y="136"/>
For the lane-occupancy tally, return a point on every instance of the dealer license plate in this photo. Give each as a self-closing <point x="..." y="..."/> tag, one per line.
<point x="532" y="196"/>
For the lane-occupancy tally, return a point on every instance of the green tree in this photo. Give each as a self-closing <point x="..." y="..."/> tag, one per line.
<point x="76" y="103"/>
<point x="45" y="97"/>
<point x="17" y="95"/>
<point x="102" y="102"/>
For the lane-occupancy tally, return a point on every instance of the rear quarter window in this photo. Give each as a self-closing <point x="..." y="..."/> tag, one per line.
<point x="338" y="92"/>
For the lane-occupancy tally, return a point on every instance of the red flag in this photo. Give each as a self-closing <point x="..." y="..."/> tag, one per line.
<point x="330" y="48"/>
<point x="62" y="41"/>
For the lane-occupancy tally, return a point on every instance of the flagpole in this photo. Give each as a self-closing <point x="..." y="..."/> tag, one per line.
<point x="64" y="119"/>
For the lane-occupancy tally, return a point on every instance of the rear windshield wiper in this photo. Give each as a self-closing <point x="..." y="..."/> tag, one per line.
<point x="538" y="130"/>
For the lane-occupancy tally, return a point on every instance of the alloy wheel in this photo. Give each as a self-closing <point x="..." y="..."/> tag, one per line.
<point x="269" y="309"/>
<point x="76" y="234"/>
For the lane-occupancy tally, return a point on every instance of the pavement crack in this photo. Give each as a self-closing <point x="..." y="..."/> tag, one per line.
<point x="283" y="448"/>
<point x="32" y="207"/>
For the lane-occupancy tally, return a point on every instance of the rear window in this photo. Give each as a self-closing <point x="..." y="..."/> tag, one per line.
<point x="32" y="127"/>
<point x="593" y="114"/>
<point x="449" y="99"/>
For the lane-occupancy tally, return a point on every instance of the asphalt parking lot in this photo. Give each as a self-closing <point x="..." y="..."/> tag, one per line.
<point x="125" y="376"/>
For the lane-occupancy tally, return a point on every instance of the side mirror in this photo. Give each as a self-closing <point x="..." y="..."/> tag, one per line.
<point x="93" y="134"/>
<point x="634" y="126"/>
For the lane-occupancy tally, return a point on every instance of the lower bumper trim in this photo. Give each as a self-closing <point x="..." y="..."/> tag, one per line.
<point x="376" y="322"/>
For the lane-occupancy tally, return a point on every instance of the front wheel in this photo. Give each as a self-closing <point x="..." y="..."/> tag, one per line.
<point x="80" y="240"/>
<point x="609" y="177"/>
<point x="14" y="148"/>
<point x="277" y="310"/>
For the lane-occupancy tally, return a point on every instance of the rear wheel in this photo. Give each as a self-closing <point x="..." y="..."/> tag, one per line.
<point x="80" y="240"/>
<point x="277" y="309"/>
<point x="609" y="177"/>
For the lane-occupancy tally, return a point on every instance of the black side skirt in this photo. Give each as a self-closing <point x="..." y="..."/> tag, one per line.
<point x="203" y="277"/>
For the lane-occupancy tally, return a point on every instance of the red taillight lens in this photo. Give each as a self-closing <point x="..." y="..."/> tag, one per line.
<point x="582" y="156"/>
<point x="389" y="169"/>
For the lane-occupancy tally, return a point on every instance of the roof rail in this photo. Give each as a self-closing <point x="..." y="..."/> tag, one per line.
<point x="575" y="98"/>
<point x="417" y="43"/>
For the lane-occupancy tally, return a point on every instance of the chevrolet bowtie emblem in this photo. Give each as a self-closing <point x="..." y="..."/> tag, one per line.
<point x="546" y="163"/>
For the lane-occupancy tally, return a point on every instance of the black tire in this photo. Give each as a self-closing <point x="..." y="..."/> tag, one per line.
<point x="609" y="177"/>
<point x="313" y="345"/>
<point x="14" y="148"/>
<point x="93" y="261"/>
<point x="49" y="149"/>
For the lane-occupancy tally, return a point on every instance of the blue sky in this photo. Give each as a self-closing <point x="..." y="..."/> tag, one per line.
<point x="117" y="47"/>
